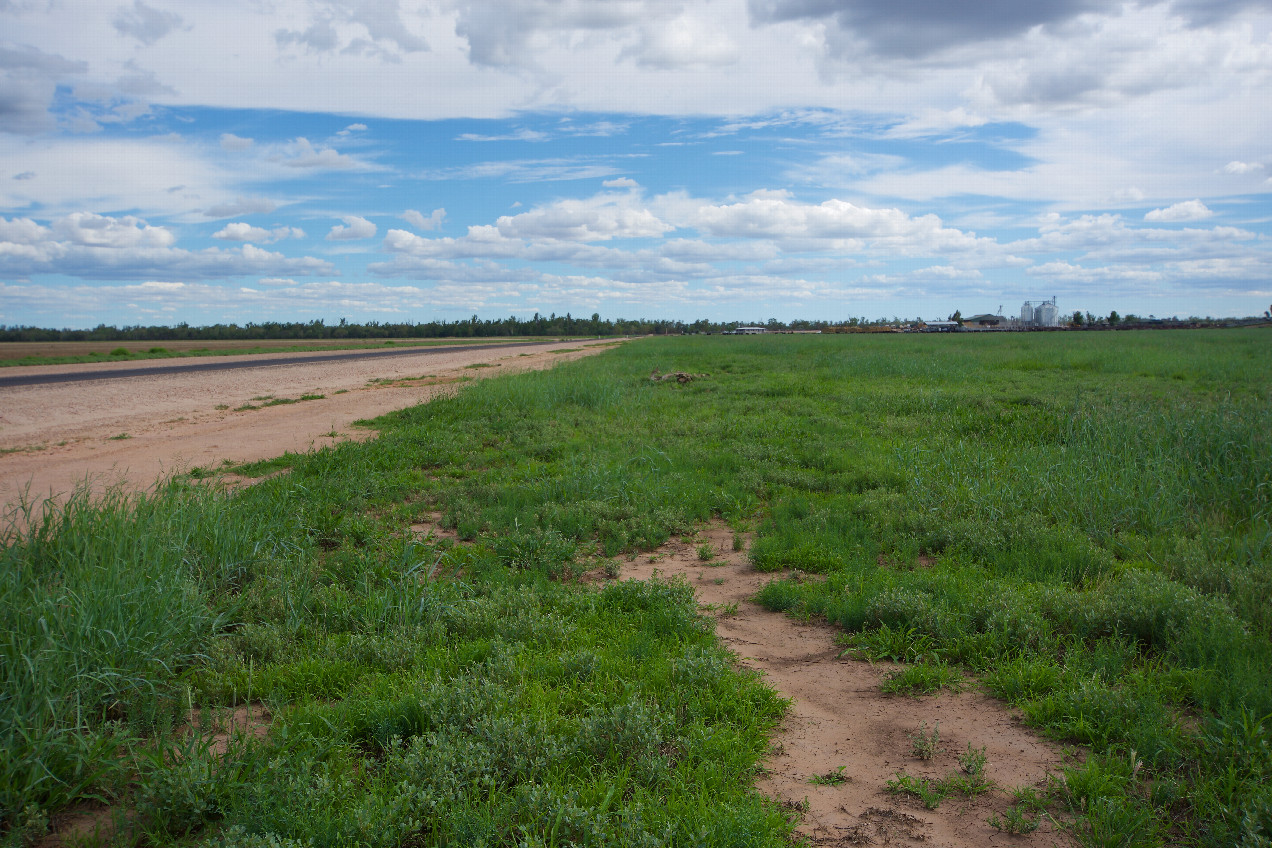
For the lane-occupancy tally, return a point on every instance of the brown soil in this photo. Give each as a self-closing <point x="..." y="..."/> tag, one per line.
<point x="840" y="718"/>
<point x="133" y="430"/>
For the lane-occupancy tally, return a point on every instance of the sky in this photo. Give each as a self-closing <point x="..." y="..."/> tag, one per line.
<point x="210" y="161"/>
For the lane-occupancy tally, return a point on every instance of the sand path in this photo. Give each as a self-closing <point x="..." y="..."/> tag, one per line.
<point x="133" y="430"/>
<point x="839" y="718"/>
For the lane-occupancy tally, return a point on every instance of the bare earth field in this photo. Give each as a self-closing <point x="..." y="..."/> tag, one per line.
<point x="133" y="430"/>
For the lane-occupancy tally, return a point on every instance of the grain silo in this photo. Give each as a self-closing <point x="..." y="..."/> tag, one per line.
<point x="1046" y="314"/>
<point x="1027" y="314"/>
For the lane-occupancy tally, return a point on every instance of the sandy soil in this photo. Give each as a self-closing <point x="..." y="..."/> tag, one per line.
<point x="840" y="718"/>
<point x="133" y="430"/>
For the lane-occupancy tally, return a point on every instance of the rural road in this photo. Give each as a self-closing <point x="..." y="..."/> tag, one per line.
<point x="40" y="375"/>
<point x="76" y="425"/>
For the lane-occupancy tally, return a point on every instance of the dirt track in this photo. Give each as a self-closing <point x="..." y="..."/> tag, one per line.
<point x="136" y="429"/>
<point x="840" y="723"/>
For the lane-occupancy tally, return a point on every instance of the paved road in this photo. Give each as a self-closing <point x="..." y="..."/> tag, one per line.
<point x="211" y="363"/>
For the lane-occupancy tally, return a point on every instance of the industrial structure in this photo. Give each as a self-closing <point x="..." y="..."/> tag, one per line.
<point x="1040" y="313"/>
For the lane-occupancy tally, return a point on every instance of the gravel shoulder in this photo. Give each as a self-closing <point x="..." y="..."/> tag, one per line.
<point x="133" y="430"/>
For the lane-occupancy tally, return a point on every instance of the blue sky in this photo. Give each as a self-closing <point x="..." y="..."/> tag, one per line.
<point x="394" y="160"/>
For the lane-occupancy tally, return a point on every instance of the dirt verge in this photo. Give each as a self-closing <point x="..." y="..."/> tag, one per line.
<point x="134" y="429"/>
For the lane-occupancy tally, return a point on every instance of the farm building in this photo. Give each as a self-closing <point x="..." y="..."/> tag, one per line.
<point x="985" y="321"/>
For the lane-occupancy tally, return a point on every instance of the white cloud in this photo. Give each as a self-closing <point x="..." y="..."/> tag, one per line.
<point x="240" y="231"/>
<point x="302" y="153"/>
<point x="101" y="247"/>
<point x="353" y="228"/>
<point x="774" y="214"/>
<point x="22" y="231"/>
<point x="230" y="141"/>
<point x="1237" y="167"/>
<point x="598" y="218"/>
<point x="686" y="41"/>
<point x="621" y="182"/>
<point x="1188" y="210"/>
<point x="87" y="228"/>
<point x="419" y="222"/>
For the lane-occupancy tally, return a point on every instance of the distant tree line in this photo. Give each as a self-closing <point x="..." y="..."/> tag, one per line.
<point x="552" y="325"/>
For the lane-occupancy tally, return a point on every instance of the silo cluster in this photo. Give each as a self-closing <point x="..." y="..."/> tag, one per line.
<point x="1040" y="313"/>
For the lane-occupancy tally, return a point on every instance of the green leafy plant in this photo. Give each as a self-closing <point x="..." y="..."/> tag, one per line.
<point x="930" y="793"/>
<point x="973" y="761"/>
<point x="926" y="744"/>
<point x="1014" y="820"/>
<point x="922" y="678"/>
<point x="835" y="777"/>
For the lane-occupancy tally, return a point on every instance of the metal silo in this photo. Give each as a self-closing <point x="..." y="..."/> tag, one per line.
<point x="1046" y="314"/>
<point x="1027" y="314"/>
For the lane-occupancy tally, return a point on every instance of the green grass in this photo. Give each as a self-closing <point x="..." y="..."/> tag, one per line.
<point x="1081" y="522"/>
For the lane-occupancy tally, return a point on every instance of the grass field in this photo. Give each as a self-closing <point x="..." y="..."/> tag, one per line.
<point x="1080" y="522"/>
<point x="69" y="353"/>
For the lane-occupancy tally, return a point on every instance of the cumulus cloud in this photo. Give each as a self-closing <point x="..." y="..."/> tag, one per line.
<point x="22" y="231"/>
<point x="230" y="141"/>
<point x="1236" y="167"/>
<point x="240" y="231"/>
<point x="599" y="218"/>
<point x="101" y="247"/>
<point x="88" y="228"/>
<point x="686" y="41"/>
<point x="419" y="222"/>
<point x="353" y="228"/>
<point x="775" y="214"/>
<point x="1188" y="210"/>
<point x="621" y="182"/>
<point x="145" y="23"/>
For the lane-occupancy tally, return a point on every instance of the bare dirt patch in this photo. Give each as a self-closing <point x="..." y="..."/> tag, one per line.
<point x="132" y="430"/>
<point x="843" y="739"/>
